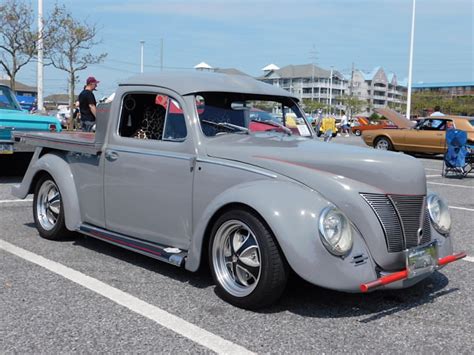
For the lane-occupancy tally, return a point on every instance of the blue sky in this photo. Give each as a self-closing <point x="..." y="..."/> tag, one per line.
<point x="251" y="34"/>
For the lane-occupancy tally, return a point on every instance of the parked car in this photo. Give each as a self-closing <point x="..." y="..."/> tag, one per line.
<point x="427" y="136"/>
<point x="363" y="124"/>
<point x="14" y="119"/>
<point x="173" y="172"/>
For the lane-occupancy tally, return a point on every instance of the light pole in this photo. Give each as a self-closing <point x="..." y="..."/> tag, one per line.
<point x="40" y="103"/>
<point x="410" y="63"/>
<point x="330" y="91"/>
<point x="142" y="43"/>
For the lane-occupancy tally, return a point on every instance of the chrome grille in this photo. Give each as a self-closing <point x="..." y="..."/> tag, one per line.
<point x="426" y="228"/>
<point x="401" y="217"/>
<point x="410" y="211"/>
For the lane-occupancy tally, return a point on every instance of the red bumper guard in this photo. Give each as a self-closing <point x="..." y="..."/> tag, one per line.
<point x="401" y="275"/>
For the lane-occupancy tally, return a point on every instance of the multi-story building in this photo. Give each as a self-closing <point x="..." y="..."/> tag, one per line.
<point x="378" y="89"/>
<point x="465" y="88"/>
<point x="308" y="81"/>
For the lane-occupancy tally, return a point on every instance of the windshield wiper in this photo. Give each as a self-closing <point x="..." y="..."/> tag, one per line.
<point x="231" y="127"/>
<point x="276" y="124"/>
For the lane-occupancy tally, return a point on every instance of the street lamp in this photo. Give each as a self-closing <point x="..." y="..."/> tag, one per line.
<point x="142" y="42"/>
<point x="40" y="103"/>
<point x="410" y="63"/>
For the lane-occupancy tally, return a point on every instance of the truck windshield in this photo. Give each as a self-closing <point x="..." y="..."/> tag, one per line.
<point x="8" y="100"/>
<point x="233" y="113"/>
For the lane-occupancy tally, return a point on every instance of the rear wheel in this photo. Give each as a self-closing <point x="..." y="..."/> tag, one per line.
<point x="383" y="143"/>
<point x="48" y="210"/>
<point x="246" y="263"/>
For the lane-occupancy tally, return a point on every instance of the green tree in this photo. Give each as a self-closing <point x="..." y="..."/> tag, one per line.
<point x="311" y="106"/>
<point x="352" y="104"/>
<point x="71" y="47"/>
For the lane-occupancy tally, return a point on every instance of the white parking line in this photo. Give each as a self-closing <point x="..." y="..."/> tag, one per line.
<point x="462" y="208"/>
<point x="452" y="185"/>
<point x="16" y="201"/>
<point x="434" y="169"/>
<point x="469" y="258"/>
<point x="437" y="175"/>
<point x="163" y="318"/>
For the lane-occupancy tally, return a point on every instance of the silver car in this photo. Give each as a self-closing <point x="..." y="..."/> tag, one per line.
<point x="179" y="171"/>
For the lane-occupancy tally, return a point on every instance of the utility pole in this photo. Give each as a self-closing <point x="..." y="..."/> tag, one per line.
<point x="313" y="57"/>
<point x="330" y="90"/>
<point x="410" y="64"/>
<point x="142" y="43"/>
<point x="351" y="90"/>
<point x="40" y="72"/>
<point x="161" y="54"/>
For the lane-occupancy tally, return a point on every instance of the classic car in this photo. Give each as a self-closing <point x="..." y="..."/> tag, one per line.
<point x="174" y="173"/>
<point x="362" y="124"/>
<point x="14" y="119"/>
<point x="427" y="136"/>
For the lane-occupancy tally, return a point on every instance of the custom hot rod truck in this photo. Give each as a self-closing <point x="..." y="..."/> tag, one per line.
<point x="179" y="171"/>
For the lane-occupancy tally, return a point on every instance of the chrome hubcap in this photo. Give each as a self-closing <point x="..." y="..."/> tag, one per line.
<point x="382" y="144"/>
<point x="48" y="205"/>
<point x="236" y="258"/>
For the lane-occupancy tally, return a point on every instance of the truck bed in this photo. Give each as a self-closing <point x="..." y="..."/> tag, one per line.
<point x="79" y="142"/>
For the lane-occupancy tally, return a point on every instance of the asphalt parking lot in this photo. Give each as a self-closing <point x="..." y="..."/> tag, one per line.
<point x="90" y="296"/>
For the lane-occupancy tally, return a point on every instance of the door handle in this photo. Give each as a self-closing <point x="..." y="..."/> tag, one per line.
<point x="111" y="155"/>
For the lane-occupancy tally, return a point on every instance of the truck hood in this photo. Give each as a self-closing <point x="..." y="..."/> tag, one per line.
<point x="305" y="160"/>
<point x="339" y="173"/>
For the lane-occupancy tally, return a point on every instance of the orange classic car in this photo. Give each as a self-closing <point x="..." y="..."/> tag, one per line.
<point x="363" y="124"/>
<point x="425" y="135"/>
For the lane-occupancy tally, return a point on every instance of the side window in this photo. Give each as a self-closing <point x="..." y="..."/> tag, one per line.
<point x="152" y="116"/>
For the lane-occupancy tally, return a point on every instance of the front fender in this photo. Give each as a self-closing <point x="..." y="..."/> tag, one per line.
<point x="292" y="211"/>
<point x="60" y="171"/>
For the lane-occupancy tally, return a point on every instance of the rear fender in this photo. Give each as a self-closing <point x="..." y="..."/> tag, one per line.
<point x="55" y="165"/>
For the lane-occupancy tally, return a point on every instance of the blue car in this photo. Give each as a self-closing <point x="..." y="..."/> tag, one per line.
<point x="13" y="118"/>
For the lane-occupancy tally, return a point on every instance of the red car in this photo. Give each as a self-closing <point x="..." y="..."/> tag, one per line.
<point x="363" y="124"/>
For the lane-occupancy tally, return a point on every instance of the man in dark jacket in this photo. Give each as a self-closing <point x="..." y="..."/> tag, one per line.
<point x="87" y="104"/>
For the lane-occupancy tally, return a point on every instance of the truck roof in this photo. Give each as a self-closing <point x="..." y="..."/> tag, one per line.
<point x="185" y="83"/>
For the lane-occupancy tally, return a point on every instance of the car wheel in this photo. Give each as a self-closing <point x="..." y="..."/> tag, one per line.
<point x="383" y="143"/>
<point x="358" y="132"/>
<point x="318" y="133"/>
<point x="48" y="210"/>
<point x="247" y="265"/>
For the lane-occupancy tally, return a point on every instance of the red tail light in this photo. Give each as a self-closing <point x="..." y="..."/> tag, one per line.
<point x="52" y="127"/>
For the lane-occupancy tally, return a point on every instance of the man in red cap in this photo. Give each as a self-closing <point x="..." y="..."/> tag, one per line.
<point x="87" y="104"/>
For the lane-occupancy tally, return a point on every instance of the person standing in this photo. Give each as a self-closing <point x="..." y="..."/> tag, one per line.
<point x="437" y="112"/>
<point x="87" y="104"/>
<point x="344" y="125"/>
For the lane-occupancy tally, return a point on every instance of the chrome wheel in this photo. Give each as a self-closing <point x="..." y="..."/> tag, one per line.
<point x="48" y="205"/>
<point x="236" y="258"/>
<point x="357" y="132"/>
<point x="382" y="144"/>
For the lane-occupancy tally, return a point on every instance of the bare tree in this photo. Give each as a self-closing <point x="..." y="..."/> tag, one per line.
<point x="70" y="48"/>
<point x="18" y="38"/>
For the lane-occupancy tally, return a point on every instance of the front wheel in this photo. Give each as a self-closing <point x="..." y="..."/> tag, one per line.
<point x="247" y="265"/>
<point x="383" y="143"/>
<point x="357" y="132"/>
<point x="48" y="210"/>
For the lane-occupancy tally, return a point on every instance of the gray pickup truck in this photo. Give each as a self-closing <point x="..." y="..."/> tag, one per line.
<point x="185" y="168"/>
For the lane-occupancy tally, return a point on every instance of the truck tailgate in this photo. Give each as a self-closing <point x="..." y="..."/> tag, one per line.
<point x="80" y="142"/>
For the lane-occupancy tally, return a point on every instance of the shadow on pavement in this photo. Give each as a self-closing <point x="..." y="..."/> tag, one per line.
<point x="200" y="279"/>
<point x="308" y="300"/>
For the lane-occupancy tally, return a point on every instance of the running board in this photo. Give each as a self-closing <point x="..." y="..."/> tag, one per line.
<point x="169" y="255"/>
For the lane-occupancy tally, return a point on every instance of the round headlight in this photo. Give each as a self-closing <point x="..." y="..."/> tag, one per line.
<point x="439" y="213"/>
<point x="335" y="231"/>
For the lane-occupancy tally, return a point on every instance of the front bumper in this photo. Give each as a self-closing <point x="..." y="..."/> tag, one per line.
<point x="403" y="275"/>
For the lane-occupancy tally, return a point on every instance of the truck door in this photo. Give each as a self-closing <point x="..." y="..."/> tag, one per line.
<point x="148" y="172"/>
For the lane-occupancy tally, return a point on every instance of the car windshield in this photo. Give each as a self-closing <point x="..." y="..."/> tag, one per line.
<point x="8" y="100"/>
<point x="232" y="113"/>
